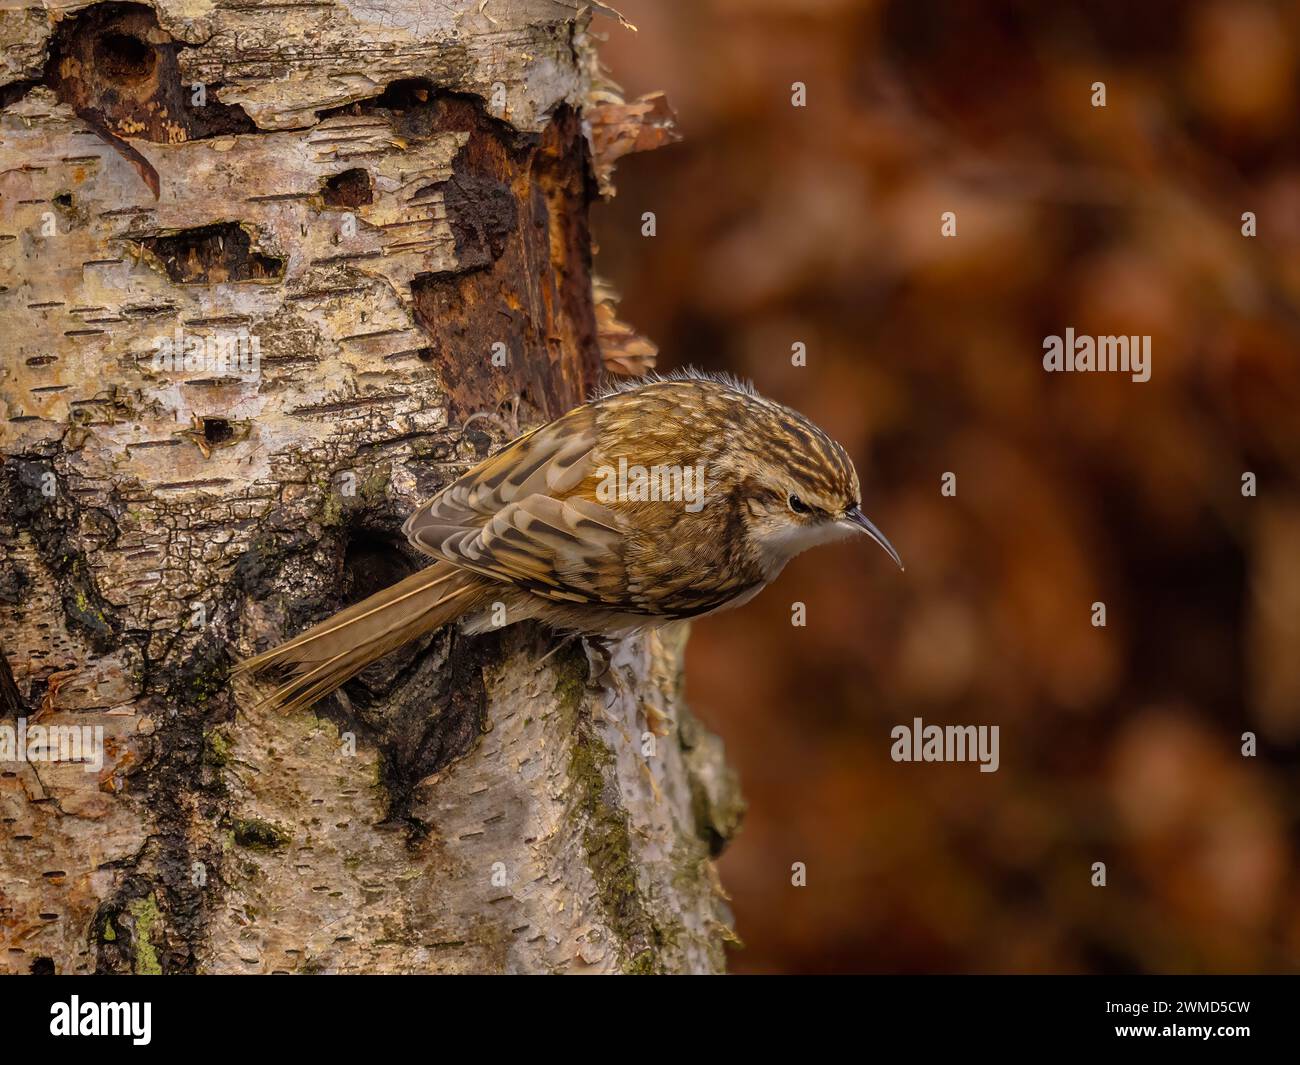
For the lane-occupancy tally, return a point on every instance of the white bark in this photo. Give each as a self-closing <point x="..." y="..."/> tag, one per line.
<point x="490" y="814"/>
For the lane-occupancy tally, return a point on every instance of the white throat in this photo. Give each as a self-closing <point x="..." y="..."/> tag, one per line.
<point x="778" y="547"/>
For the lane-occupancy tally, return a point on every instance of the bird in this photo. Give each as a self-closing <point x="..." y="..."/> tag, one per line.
<point x="660" y="499"/>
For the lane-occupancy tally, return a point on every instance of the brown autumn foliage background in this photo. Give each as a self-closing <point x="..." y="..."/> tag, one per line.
<point x="821" y="224"/>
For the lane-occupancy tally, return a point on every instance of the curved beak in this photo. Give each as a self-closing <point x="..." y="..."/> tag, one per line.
<point x="855" y="515"/>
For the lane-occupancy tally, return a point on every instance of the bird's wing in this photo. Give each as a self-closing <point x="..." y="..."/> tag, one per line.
<point x="518" y="518"/>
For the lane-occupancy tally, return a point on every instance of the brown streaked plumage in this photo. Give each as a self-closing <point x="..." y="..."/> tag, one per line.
<point x="546" y="528"/>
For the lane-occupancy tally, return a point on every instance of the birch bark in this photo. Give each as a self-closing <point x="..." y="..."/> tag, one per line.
<point x="359" y="230"/>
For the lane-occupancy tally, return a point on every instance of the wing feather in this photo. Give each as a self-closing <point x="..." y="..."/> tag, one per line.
<point x="516" y="518"/>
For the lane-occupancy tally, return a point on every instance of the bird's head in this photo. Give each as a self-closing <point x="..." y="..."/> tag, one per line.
<point x="799" y="489"/>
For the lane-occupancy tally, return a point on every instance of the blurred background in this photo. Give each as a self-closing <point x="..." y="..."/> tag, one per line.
<point x="821" y="224"/>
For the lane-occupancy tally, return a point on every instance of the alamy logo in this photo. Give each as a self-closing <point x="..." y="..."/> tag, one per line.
<point x="103" y="1018"/>
<point x="222" y="354"/>
<point x="1083" y="354"/>
<point x="946" y="743"/>
<point x="53" y="743"/>
<point x="652" y="484"/>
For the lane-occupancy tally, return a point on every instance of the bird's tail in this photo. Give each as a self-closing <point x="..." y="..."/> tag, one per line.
<point x="314" y="663"/>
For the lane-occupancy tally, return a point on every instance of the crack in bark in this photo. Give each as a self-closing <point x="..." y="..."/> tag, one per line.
<point x="209" y="255"/>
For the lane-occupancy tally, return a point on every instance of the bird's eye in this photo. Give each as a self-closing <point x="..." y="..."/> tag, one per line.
<point x="798" y="505"/>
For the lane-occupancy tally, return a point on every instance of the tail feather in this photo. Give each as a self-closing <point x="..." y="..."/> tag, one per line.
<point x="316" y="662"/>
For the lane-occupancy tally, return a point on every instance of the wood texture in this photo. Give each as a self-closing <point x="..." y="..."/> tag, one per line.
<point x="378" y="194"/>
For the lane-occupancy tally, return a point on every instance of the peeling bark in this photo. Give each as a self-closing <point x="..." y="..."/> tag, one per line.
<point x="376" y="195"/>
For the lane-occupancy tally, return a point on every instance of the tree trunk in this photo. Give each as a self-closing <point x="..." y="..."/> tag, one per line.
<point x="273" y="274"/>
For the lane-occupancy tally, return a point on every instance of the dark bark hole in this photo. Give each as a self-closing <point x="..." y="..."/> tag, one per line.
<point x="217" y="430"/>
<point x="12" y="704"/>
<point x="351" y="188"/>
<point x="13" y="92"/>
<point x="117" y="68"/>
<point x="211" y="254"/>
<point x="481" y="212"/>
<point x="64" y="200"/>
<point x="372" y="563"/>
<point x="124" y="58"/>
<point x="42" y="967"/>
<point x="406" y="93"/>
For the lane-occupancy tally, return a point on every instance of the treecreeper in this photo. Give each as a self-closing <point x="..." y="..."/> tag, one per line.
<point x="658" y="500"/>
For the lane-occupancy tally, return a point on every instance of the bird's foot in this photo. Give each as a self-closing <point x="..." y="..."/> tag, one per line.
<point x="599" y="654"/>
<point x="601" y="674"/>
